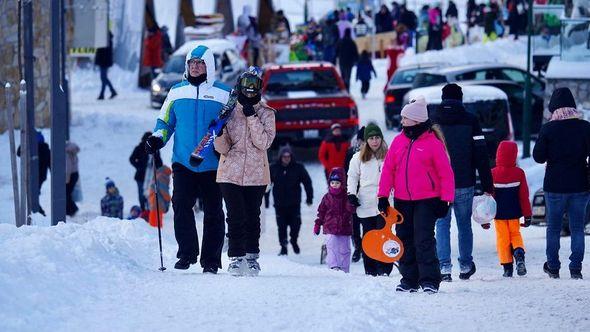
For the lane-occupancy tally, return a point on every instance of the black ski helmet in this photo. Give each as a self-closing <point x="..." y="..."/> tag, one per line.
<point x="250" y="82"/>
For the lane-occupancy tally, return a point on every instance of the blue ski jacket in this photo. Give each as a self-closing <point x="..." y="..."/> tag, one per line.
<point x="188" y="110"/>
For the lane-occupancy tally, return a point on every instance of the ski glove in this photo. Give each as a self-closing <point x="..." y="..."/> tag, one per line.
<point x="316" y="229"/>
<point x="441" y="209"/>
<point x="153" y="144"/>
<point x="354" y="201"/>
<point x="527" y="222"/>
<point x="248" y="110"/>
<point x="383" y="205"/>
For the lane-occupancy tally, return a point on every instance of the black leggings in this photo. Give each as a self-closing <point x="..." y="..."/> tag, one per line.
<point x="373" y="267"/>
<point x="243" y="217"/>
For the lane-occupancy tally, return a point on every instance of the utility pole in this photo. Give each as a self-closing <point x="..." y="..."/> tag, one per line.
<point x="64" y="80"/>
<point x="526" y="114"/>
<point x="32" y="167"/>
<point x="58" y="122"/>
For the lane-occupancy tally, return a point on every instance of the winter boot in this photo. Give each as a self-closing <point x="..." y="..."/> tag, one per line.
<point x="508" y="270"/>
<point x="296" y="249"/>
<point x="553" y="274"/>
<point x="576" y="274"/>
<point x="283" y="251"/>
<point x="356" y="255"/>
<point x="253" y="268"/>
<point x="467" y="274"/>
<point x="237" y="266"/>
<point x="406" y="288"/>
<point x="184" y="264"/>
<point x="209" y="270"/>
<point x="429" y="289"/>
<point x="446" y="277"/>
<point x="519" y="258"/>
<point x="101" y="97"/>
<point x="113" y="94"/>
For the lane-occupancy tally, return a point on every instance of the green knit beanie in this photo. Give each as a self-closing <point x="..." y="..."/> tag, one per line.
<point x="372" y="130"/>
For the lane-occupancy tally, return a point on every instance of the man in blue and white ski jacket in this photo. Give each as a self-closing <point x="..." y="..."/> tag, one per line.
<point x="188" y="110"/>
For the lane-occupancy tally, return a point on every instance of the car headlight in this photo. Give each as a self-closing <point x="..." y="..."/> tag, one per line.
<point x="156" y="87"/>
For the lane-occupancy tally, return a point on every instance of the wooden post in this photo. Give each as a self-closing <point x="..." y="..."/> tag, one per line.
<point x="10" y="124"/>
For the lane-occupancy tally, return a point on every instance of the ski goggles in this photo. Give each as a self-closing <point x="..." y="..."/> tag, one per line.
<point x="251" y="84"/>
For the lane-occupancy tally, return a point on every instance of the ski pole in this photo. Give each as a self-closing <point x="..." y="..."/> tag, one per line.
<point x="162" y="268"/>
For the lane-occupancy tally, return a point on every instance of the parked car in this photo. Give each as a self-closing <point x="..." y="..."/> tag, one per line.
<point x="229" y="65"/>
<point x="507" y="78"/>
<point x="309" y="97"/>
<point x="397" y="87"/>
<point x="539" y="214"/>
<point x="489" y="104"/>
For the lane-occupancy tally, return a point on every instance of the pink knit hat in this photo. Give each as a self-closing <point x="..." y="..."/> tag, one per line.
<point x="416" y="110"/>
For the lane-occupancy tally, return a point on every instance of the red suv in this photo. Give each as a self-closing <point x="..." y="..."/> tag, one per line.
<point x="309" y="97"/>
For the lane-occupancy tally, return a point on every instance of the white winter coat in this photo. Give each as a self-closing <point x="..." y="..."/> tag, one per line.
<point x="363" y="181"/>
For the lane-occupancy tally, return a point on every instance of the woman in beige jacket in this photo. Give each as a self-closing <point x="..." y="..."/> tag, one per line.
<point x="243" y="172"/>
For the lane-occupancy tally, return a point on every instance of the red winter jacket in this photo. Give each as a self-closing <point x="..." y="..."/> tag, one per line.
<point x="335" y="212"/>
<point x="511" y="190"/>
<point x="332" y="152"/>
<point x="418" y="169"/>
<point x="152" y="56"/>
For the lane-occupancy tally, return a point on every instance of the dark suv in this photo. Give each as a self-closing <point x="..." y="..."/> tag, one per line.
<point x="309" y="97"/>
<point x="507" y="78"/>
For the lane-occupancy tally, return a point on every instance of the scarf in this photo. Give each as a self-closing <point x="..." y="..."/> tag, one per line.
<point x="565" y="113"/>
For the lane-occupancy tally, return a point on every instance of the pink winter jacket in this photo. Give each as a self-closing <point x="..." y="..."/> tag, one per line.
<point x="417" y="169"/>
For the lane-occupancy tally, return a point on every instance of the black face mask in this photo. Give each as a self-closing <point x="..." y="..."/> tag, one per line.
<point x="196" y="80"/>
<point x="245" y="100"/>
<point x="413" y="132"/>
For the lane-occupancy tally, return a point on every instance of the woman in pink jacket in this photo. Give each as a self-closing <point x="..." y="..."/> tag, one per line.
<point x="418" y="170"/>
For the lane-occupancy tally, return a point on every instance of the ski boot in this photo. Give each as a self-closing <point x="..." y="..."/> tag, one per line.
<point x="553" y="274"/>
<point x="576" y="274"/>
<point x="237" y="266"/>
<point x="252" y="266"/>
<point x="519" y="258"/>
<point x="508" y="270"/>
<point x="406" y="288"/>
<point x="467" y="274"/>
<point x="283" y="251"/>
<point x="429" y="289"/>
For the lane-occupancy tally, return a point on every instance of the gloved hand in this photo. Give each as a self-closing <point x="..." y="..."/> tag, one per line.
<point x="485" y="226"/>
<point x="309" y="201"/>
<point x="248" y="110"/>
<point x="354" y="200"/>
<point x="316" y="229"/>
<point x="383" y="205"/>
<point x="441" y="209"/>
<point x="153" y="144"/>
<point x="527" y="222"/>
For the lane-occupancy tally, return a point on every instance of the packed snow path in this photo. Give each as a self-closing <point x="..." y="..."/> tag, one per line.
<point x="101" y="274"/>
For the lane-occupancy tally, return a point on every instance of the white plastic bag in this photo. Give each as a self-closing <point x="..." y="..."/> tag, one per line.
<point x="484" y="209"/>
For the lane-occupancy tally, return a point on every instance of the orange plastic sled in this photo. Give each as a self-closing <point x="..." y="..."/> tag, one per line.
<point x="381" y="244"/>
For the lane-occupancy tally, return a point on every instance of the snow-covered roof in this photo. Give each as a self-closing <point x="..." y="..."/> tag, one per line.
<point x="471" y="93"/>
<point x="568" y="69"/>
<point x="216" y="45"/>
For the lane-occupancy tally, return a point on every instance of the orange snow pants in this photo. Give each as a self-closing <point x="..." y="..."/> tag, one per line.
<point x="508" y="238"/>
<point x="154" y="218"/>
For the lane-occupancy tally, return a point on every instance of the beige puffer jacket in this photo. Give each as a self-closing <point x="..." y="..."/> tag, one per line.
<point x="243" y="147"/>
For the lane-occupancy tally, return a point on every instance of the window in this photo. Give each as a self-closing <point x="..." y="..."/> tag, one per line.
<point x="479" y="75"/>
<point x="404" y="76"/>
<point x="302" y="80"/>
<point x="174" y="65"/>
<point x="513" y="75"/>
<point x="424" y="79"/>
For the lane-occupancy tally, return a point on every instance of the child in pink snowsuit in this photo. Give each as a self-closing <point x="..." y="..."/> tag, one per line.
<point x="335" y="215"/>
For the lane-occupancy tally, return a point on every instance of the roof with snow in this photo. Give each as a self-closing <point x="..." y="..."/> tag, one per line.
<point x="567" y="69"/>
<point x="216" y="45"/>
<point x="471" y="93"/>
<point x="470" y="67"/>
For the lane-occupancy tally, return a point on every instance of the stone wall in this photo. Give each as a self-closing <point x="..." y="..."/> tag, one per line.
<point x="9" y="64"/>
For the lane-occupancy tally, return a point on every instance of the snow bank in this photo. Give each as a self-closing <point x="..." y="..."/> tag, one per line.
<point x="560" y="69"/>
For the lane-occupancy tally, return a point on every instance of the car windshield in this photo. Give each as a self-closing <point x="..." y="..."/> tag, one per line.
<point x="425" y="79"/>
<point x="302" y="80"/>
<point x="405" y="76"/>
<point x="175" y="64"/>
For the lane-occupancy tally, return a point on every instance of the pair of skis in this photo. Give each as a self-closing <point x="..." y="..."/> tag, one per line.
<point x="215" y="128"/>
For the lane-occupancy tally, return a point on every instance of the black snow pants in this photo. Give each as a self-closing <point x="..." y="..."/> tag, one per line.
<point x="373" y="267"/>
<point x="288" y="217"/>
<point x="419" y="263"/>
<point x="186" y="187"/>
<point x="243" y="218"/>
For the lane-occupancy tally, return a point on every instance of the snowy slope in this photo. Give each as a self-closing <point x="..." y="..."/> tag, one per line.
<point x="101" y="274"/>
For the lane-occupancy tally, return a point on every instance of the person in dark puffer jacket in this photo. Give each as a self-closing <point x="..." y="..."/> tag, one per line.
<point x="467" y="148"/>
<point x="287" y="176"/>
<point x="564" y="144"/>
<point x="512" y="198"/>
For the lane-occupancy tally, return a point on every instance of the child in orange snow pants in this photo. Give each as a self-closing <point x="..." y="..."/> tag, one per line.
<point x="512" y="198"/>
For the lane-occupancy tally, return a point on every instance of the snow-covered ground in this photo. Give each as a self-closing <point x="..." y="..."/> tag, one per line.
<point x="101" y="274"/>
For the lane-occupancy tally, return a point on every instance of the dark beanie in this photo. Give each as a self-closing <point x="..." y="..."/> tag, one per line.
<point x="360" y="135"/>
<point x="561" y="97"/>
<point x="452" y="91"/>
<point x="372" y="130"/>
